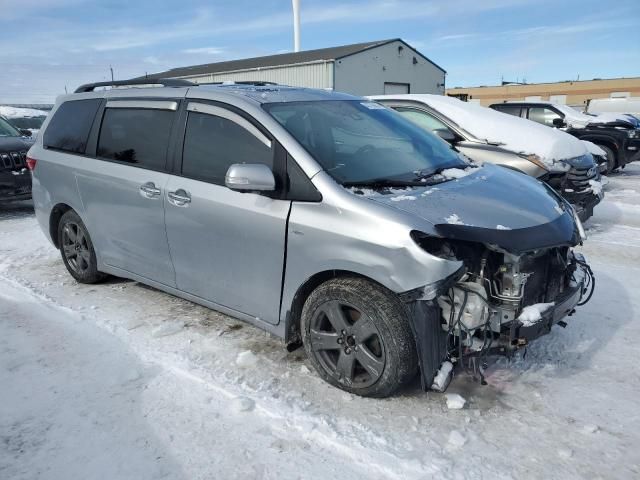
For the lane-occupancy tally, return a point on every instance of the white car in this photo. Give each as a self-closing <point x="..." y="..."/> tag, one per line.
<point x="485" y="135"/>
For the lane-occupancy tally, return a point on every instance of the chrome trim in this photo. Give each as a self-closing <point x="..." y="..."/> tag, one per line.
<point x="154" y="104"/>
<point x="231" y="116"/>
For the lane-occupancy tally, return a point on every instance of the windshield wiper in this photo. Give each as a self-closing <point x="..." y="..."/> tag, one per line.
<point x="383" y="182"/>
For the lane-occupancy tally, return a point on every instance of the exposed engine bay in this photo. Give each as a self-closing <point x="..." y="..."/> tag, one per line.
<point x="500" y="301"/>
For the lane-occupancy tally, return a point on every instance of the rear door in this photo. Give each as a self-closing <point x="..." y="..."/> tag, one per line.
<point x="227" y="247"/>
<point x="123" y="189"/>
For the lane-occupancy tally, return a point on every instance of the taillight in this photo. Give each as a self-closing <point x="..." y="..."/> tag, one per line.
<point x="31" y="163"/>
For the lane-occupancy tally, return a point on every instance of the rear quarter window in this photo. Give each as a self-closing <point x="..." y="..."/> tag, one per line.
<point x="70" y="125"/>
<point x="510" y="109"/>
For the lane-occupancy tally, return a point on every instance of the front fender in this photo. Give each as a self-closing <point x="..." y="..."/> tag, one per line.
<point x="322" y="238"/>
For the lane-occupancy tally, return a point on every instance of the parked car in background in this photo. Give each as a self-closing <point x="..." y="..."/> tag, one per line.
<point x="321" y="217"/>
<point x="25" y="119"/>
<point x="485" y="135"/>
<point x="618" y="138"/>
<point x="15" y="179"/>
<point x="614" y="105"/>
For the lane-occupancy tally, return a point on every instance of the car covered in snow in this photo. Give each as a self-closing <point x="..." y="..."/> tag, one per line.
<point x="324" y="218"/>
<point x="484" y="135"/>
<point x="15" y="179"/>
<point x="27" y="120"/>
<point x="619" y="138"/>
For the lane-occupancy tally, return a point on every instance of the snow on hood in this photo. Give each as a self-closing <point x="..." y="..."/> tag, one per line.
<point x="594" y="149"/>
<point x="18" y="112"/>
<point x="511" y="133"/>
<point x="614" y="118"/>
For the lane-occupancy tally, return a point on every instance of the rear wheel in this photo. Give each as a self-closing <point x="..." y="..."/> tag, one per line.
<point x="611" y="158"/>
<point x="357" y="336"/>
<point x="77" y="250"/>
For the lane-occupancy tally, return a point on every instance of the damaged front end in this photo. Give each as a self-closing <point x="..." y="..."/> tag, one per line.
<point x="506" y="294"/>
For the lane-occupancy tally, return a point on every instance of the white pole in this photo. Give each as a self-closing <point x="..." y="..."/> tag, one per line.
<point x="296" y="25"/>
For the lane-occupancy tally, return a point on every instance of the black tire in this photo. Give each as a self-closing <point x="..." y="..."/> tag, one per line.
<point x="612" y="164"/>
<point x="77" y="250"/>
<point x="376" y="345"/>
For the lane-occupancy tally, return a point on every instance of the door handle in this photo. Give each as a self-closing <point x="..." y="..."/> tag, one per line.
<point x="149" y="190"/>
<point x="179" y="198"/>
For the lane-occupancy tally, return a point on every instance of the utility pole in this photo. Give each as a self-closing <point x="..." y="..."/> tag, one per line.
<point x="111" y="69"/>
<point x="296" y="25"/>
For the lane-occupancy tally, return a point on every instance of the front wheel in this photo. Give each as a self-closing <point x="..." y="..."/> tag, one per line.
<point x="611" y="158"/>
<point x="77" y="250"/>
<point x="357" y="336"/>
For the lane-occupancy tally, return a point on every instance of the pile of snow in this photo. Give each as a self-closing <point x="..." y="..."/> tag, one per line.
<point x="512" y="133"/>
<point x="594" y="149"/>
<point x="246" y="359"/>
<point x="613" y="118"/>
<point x="455" y="173"/>
<point x="502" y="227"/>
<point x="533" y="313"/>
<point x="19" y="112"/>
<point x="455" y="401"/>
<point x="454" y="219"/>
<point x="596" y="186"/>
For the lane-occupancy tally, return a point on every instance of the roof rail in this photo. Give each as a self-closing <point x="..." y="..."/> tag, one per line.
<point x="165" y="82"/>
<point x="255" y="83"/>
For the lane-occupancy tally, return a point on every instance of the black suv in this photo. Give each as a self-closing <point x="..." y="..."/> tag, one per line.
<point x="619" y="139"/>
<point x="15" y="178"/>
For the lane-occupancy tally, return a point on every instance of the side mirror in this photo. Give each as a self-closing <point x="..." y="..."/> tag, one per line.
<point x="25" y="132"/>
<point x="559" y="123"/>
<point x="250" y="177"/>
<point x="446" y="134"/>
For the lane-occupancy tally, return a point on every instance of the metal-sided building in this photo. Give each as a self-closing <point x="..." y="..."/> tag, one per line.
<point x="372" y="68"/>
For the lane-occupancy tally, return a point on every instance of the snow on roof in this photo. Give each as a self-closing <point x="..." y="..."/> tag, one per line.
<point x="17" y="112"/>
<point x="512" y="133"/>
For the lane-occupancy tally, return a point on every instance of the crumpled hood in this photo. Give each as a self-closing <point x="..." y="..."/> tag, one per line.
<point x="491" y="205"/>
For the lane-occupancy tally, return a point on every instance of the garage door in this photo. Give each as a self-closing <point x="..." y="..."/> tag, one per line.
<point x="395" y="88"/>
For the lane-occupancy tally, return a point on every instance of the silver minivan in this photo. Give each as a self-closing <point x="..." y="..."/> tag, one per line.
<point x="326" y="219"/>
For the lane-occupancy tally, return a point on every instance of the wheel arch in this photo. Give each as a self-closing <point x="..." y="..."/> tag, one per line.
<point x="54" y="220"/>
<point x="603" y="140"/>
<point x="294" y="310"/>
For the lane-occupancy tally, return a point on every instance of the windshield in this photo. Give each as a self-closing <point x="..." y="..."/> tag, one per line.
<point x="359" y="142"/>
<point x="8" y="130"/>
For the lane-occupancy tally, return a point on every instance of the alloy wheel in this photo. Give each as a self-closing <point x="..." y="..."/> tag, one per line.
<point x="347" y="344"/>
<point x="75" y="247"/>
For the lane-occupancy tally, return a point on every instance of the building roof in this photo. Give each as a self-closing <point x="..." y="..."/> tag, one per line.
<point x="305" y="56"/>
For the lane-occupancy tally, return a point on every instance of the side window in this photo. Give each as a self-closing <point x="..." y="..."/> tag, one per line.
<point x="136" y="135"/>
<point x="543" y="115"/>
<point x="69" y="128"/>
<point x="214" y="141"/>
<point x="510" y="109"/>
<point x="422" y="119"/>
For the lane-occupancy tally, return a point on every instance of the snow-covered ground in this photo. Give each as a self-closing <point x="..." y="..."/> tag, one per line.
<point x="121" y="381"/>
